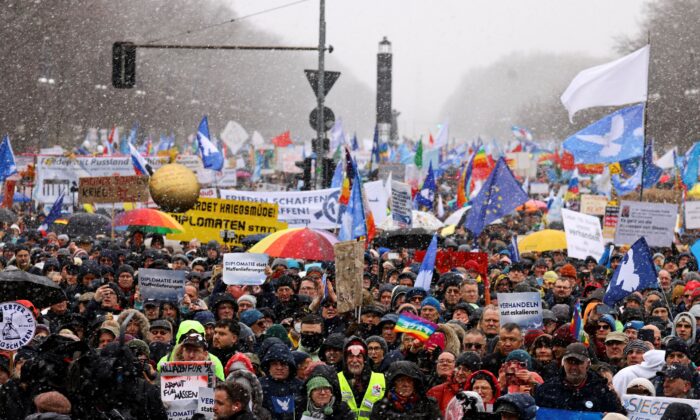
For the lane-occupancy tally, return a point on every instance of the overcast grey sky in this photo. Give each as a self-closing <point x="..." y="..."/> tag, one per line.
<point x="436" y="41"/>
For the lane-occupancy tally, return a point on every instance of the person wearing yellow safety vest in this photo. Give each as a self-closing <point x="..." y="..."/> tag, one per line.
<point x="360" y="388"/>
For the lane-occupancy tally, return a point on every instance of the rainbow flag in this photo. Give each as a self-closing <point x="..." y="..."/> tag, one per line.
<point x="482" y="164"/>
<point x="576" y="327"/>
<point x="346" y="186"/>
<point x="465" y="178"/>
<point x="415" y="326"/>
<point x="573" y="191"/>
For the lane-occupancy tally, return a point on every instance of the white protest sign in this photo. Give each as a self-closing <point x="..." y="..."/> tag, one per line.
<point x="401" y="204"/>
<point x="180" y="384"/>
<point x="244" y="268"/>
<point x="524" y="309"/>
<point x="654" y="221"/>
<point x="539" y="188"/>
<point x="315" y="209"/>
<point x="162" y="285"/>
<point x="692" y="214"/>
<point x="584" y="236"/>
<point x="205" y="404"/>
<point x="640" y="407"/>
<point x="377" y="199"/>
<point x="17" y="326"/>
<point x="593" y="204"/>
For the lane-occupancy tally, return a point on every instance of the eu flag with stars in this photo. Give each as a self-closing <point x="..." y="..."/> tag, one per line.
<point x="635" y="272"/>
<point x="499" y="196"/>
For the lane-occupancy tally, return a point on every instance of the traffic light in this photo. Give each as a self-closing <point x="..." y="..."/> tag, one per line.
<point x="305" y="176"/>
<point x="327" y="172"/>
<point x="123" y="65"/>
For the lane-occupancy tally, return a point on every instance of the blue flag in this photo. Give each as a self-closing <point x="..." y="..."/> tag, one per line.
<point x="355" y="144"/>
<point x="635" y="272"/>
<point x="425" y="274"/>
<point x="607" y="256"/>
<point x="375" y="146"/>
<point x="616" y="137"/>
<point x="211" y="156"/>
<point x="54" y="213"/>
<point x="352" y="217"/>
<point x="513" y="249"/>
<point x="426" y="196"/>
<point x="7" y="159"/>
<point x="124" y="142"/>
<point x="337" y="180"/>
<point x="649" y="174"/>
<point x="690" y="169"/>
<point x="500" y="195"/>
<point x="695" y="249"/>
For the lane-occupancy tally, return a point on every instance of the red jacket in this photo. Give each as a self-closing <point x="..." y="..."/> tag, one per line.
<point x="444" y="392"/>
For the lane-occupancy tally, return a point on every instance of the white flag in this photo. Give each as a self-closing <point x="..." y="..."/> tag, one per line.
<point x="667" y="161"/>
<point x="233" y="136"/>
<point x="620" y="82"/>
<point x="441" y="139"/>
<point x="257" y="139"/>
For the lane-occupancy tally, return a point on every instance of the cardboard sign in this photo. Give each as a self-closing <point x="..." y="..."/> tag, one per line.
<point x="205" y="402"/>
<point x="17" y="326"/>
<point x="447" y="260"/>
<point x="315" y="209"/>
<point x="349" y="266"/>
<point x="524" y="309"/>
<point x="162" y="285"/>
<point x="652" y="408"/>
<point x="583" y="235"/>
<point x="226" y="221"/>
<point x="180" y="385"/>
<point x="112" y="189"/>
<point x="692" y="214"/>
<point x="593" y="204"/>
<point x="244" y="268"/>
<point x="610" y="222"/>
<point x="654" y="221"/>
<point x="401" y="204"/>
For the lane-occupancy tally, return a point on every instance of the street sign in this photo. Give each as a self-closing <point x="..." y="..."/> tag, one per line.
<point x="329" y="78"/>
<point x="328" y="118"/>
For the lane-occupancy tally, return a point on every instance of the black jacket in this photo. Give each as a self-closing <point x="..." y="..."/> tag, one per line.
<point x="279" y="396"/>
<point x="426" y="408"/>
<point x="341" y="411"/>
<point x="594" y="395"/>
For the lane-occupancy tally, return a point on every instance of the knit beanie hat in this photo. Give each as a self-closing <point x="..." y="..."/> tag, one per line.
<point x="431" y="301"/>
<point x="248" y="298"/>
<point x="380" y="340"/>
<point x="520" y="356"/>
<point x="317" y="382"/>
<point x="636" y="344"/>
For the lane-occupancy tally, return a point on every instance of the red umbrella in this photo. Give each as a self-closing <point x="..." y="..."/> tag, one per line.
<point x="305" y="243"/>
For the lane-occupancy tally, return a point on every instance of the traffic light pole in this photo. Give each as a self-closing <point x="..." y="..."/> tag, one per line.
<point x="320" y="146"/>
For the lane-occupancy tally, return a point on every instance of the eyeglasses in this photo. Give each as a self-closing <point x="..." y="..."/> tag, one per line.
<point x="452" y="291"/>
<point x="159" y="332"/>
<point x="475" y="346"/>
<point x="604" y="327"/>
<point x="370" y="349"/>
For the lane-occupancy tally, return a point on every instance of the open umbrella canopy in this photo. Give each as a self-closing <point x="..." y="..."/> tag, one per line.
<point x="251" y="240"/>
<point x="147" y="220"/>
<point x="7" y="216"/>
<point x="88" y="224"/>
<point x="544" y="240"/>
<point x="304" y="243"/>
<point x="18" y="285"/>
<point x="415" y="238"/>
<point x="421" y="219"/>
<point x="531" y="206"/>
<point x="457" y="216"/>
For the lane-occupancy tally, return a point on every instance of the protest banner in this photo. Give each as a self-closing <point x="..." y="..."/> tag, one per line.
<point x="610" y="222"/>
<point x="226" y="221"/>
<point x="377" y="200"/>
<point x="244" y="268"/>
<point x="447" y="260"/>
<point x="315" y="209"/>
<point x="593" y="204"/>
<point x="162" y="285"/>
<point x="17" y="326"/>
<point x="55" y="174"/>
<point x="397" y="171"/>
<point x="524" y="309"/>
<point x="654" y="221"/>
<point x="583" y="235"/>
<point x="692" y="214"/>
<point x="180" y="383"/>
<point x="541" y="188"/>
<point x="556" y="414"/>
<point x="205" y="403"/>
<point x="640" y="407"/>
<point x="401" y="204"/>
<point x="112" y="189"/>
<point x="349" y="266"/>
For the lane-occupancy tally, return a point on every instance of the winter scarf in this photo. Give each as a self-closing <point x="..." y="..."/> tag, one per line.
<point x="319" y="412"/>
<point x="403" y="404"/>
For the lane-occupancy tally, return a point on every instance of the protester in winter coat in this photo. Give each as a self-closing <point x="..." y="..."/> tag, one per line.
<point x="577" y="387"/>
<point x="652" y="362"/>
<point x="243" y="374"/>
<point x="684" y="326"/>
<point x="405" y="396"/>
<point x="187" y="327"/>
<point x="320" y="397"/>
<point x="485" y="384"/>
<point x="465" y="365"/>
<point x="517" y="405"/>
<point x="280" y="385"/>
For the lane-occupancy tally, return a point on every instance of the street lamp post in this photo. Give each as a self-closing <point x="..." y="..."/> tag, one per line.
<point x="384" y="112"/>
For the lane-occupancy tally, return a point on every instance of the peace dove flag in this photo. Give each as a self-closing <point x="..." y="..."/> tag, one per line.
<point x="635" y="272"/>
<point x="619" y="82"/>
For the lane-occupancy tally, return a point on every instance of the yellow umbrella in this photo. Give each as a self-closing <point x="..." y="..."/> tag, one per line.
<point x="448" y="230"/>
<point x="544" y="240"/>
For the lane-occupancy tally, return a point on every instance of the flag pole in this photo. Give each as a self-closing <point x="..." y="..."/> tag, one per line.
<point x="646" y="125"/>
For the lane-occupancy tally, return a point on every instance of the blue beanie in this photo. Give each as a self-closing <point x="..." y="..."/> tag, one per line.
<point x="608" y="319"/>
<point x="204" y="317"/>
<point x="520" y="356"/>
<point x="431" y="301"/>
<point x="251" y="316"/>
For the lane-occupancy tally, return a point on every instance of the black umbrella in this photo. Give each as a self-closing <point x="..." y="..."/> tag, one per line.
<point x="88" y="224"/>
<point x="416" y="238"/>
<point x="7" y="216"/>
<point x="251" y="240"/>
<point x="18" y="284"/>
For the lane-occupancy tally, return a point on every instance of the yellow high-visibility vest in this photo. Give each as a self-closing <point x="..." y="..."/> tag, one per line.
<point x="374" y="393"/>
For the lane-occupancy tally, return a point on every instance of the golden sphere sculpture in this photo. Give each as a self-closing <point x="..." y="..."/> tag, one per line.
<point x="174" y="188"/>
